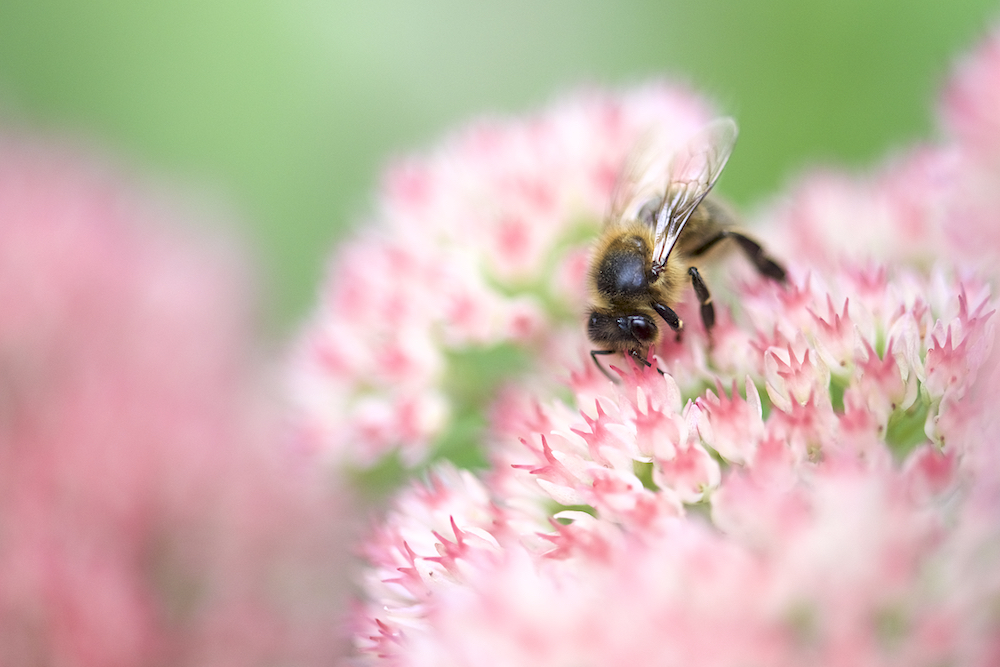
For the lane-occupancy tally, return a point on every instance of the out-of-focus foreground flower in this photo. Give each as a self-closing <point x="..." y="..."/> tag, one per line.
<point x="819" y="483"/>
<point x="146" y="517"/>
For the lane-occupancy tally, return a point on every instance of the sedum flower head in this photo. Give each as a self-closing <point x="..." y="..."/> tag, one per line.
<point x="818" y="482"/>
<point x="820" y="529"/>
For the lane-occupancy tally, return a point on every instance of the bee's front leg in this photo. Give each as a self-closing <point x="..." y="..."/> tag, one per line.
<point x="670" y="317"/>
<point x="643" y="362"/>
<point x="704" y="298"/>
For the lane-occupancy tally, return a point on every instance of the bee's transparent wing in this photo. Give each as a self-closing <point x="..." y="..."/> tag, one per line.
<point x="691" y="174"/>
<point x="640" y="180"/>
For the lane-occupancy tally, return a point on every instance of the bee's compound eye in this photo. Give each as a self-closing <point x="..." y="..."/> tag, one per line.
<point x="642" y="328"/>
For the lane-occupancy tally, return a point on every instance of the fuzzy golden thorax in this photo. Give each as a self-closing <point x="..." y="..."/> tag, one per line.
<point x="625" y="292"/>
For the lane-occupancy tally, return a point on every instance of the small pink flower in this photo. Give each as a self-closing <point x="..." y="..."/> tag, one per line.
<point x="880" y="385"/>
<point x="958" y="349"/>
<point x="835" y="336"/>
<point x="691" y="472"/>
<point x="732" y="425"/>
<point x="794" y="374"/>
<point x="652" y="415"/>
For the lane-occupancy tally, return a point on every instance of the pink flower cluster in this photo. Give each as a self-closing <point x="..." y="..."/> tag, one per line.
<point x="631" y="525"/>
<point x="817" y="483"/>
<point x="145" y="515"/>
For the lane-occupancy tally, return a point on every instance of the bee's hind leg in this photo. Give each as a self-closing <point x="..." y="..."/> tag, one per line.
<point x="704" y="298"/>
<point x="767" y="266"/>
<point x="753" y="250"/>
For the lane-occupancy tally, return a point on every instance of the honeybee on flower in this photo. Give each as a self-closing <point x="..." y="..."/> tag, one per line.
<point x="662" y="222"/>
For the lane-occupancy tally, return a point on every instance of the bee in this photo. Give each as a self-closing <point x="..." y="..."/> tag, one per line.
<point x="661" y="223"/>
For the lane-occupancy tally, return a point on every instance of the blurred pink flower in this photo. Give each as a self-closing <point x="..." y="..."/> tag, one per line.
<point x="819" y="483"/>
<point x="146" y="516"/>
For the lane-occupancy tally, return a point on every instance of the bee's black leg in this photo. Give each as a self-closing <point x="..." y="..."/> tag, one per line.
<point x="635" y="355"/>
<point x="767" y="266"/>
<point x="638" y="357"/>
<point x="754" y="252"/>
<point x="632" y="353"/>
<point x="670" y="317"/>
<point x="593" y="355"/>
<point x="704" y="298"/>
<point x="711" y="243"/>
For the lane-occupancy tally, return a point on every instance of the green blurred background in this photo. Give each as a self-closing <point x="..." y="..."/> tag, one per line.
<point x="286" y="109"/>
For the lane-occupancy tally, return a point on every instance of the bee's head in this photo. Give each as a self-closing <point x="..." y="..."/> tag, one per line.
<point x="634" y="331"/>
